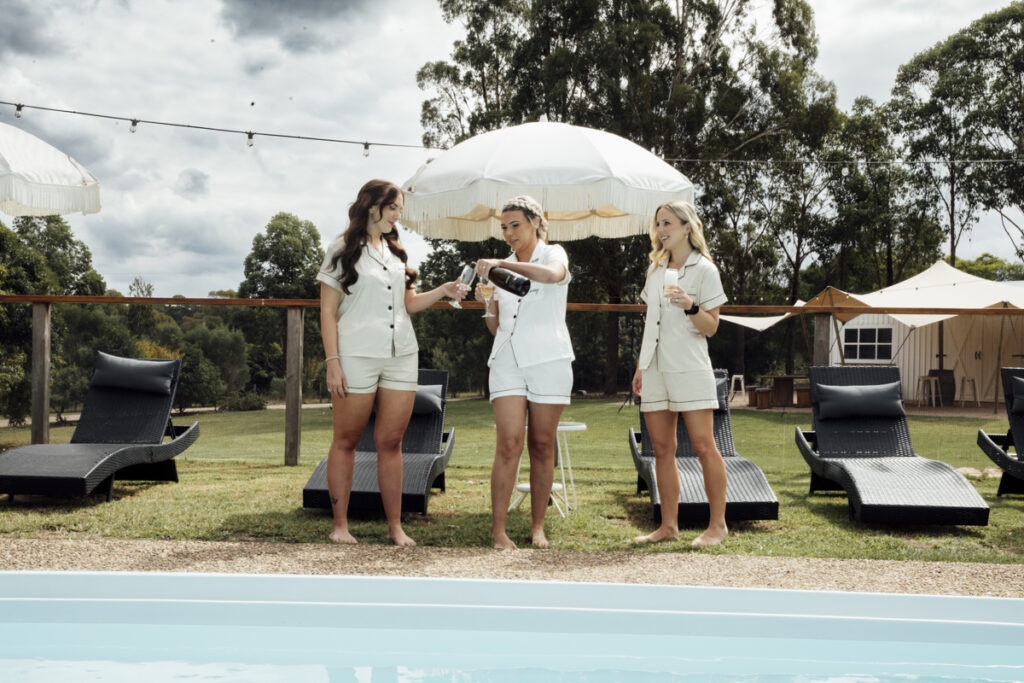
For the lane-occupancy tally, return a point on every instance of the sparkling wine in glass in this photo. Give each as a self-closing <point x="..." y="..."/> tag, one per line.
<point x="466" y="278"/>
<point x="487" y="291"/>
<point x="671" y="281"/>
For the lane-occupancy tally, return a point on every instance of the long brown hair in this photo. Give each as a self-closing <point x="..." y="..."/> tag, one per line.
<point x="374" y="194"/>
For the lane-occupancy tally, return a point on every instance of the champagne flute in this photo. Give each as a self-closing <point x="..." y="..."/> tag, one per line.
<point x="466" y="278"/>
<point x="487" y="291"/>
<point x="671" y="281"/>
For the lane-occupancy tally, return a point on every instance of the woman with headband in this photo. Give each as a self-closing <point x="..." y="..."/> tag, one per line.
<point x="530" y="363"/>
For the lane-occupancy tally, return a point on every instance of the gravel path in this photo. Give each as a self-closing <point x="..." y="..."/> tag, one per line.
<point x="690" y="568"/>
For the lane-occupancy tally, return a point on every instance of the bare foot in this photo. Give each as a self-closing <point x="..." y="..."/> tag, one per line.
<point x="710" y="537"/>
<point x="503" y="542"/>
<point x="538" y="538"/>
<point x="400" y="538"/>
<point x="658" y="536"/>
<point x="342" y="536"/>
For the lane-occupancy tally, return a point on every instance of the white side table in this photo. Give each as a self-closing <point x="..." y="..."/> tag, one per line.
<point x="559" y="490"/>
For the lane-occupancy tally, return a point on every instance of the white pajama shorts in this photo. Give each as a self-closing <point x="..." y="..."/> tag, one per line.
<point x="549" y="382"/>
<point x="365" y="375"/>
<point x="677" y="391"/>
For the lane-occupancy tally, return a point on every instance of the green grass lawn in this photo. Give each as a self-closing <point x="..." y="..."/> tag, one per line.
<point x="234" y="486"/>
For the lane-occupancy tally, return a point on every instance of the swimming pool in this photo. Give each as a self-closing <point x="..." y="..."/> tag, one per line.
<point x="148" y="626"/>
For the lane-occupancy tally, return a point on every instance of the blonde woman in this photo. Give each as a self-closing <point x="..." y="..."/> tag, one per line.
<point x="530" y="364"/>
<point x="674" y="374"/>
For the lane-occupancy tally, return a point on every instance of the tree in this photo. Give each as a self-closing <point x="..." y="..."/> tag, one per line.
<point x="283" y="264"/>
<point x="42" y="256"/>
<point x="680" y="80"/>
<point x="936" y="107"/>
<point x="884" y="230"/>
<point x="992" y="268"/>
<point x="200" y="382"/>
<point x="982" y="84"/>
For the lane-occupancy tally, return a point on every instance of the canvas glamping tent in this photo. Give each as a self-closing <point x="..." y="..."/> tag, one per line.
<point x="974" y="347"/>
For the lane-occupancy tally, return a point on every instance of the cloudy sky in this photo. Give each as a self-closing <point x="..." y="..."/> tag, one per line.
<point x="180" y="207"/>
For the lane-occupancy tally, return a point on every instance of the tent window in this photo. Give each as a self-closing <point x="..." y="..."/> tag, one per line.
<point x="870" y="344"/>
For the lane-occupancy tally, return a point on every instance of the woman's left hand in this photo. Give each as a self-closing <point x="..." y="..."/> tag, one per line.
<point x="455" y="290"/>
<point x="484" y="265"/>
<point x="680" y="298"/>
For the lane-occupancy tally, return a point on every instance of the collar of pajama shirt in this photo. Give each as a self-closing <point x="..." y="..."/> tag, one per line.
<point x="667" y="328"/>
<point x="535" y="324"/>
<point x="372" y="320"/>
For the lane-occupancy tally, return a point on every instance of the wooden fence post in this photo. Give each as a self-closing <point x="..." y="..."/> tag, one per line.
<point x="40" y="372"/>
<point x="293" y="387"/>
<point x="820" y="354"/>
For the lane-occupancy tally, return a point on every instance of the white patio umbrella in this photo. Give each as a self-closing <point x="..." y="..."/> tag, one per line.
<point x="589" y="182"/>
<point x="37" y="179"/>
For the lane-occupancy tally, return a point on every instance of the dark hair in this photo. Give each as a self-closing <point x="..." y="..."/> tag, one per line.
<point x="376" y="193"/>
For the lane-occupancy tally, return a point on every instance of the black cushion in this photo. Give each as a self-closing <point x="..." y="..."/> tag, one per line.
<point x="429" y="399"/>
<point x="861" y="400"/>
<point x="1018" y="395"/>
<point x="154" y="376"/>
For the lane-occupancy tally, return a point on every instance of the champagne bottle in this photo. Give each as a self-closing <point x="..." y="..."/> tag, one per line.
<point x="509" y="281"/>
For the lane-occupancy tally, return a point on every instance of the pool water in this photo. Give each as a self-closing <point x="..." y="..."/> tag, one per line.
<point x="205" y="627"/>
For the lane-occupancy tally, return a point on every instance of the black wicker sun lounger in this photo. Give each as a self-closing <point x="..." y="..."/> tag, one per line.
<point x="126" y="415"/>
<point x="861" y="445"/>
<point x="747" y="496"/>
<point x="997" y="446"/>
<point x="426" y="449"/>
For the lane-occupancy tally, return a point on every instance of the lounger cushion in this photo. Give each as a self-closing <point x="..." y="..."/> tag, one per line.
<point x="722" y="393"/>
<point x="1018" y="395"/>
<point x="864" y="400"/>
<point x="429" y="398"/>
<point x="129" y="373"/>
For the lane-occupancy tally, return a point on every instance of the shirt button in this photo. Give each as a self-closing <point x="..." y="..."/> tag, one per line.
<point x="514" y="317"/>
<point x="389" y="286"/>
<point x="389" y="308"/>
<point x="392" y="327"/>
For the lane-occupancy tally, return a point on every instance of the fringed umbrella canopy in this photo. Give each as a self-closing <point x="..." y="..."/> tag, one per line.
<point x="589" y="182"/>
<point x="36" y="179"/>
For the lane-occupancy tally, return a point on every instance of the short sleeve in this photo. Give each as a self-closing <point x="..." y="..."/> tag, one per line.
<point x="328" y="275"/>
<point x="712" y="294"/>
<point x="556" y="254"/>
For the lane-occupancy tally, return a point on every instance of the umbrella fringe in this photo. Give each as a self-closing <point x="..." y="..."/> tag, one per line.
<point x="18" y="197"/>
<point x="558" y="231"/>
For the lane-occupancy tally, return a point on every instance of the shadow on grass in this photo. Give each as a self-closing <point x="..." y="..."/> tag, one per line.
<point x="49" y="504"/>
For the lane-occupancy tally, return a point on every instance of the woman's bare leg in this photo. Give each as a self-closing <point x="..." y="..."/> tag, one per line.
<point x="700" y="425"/>
<point x="541" y="441"/>
<point x="661" y="427"/>
<point x="350" y="415"/>
<point x="510" y="421"/>
<point x="393" y="411"/>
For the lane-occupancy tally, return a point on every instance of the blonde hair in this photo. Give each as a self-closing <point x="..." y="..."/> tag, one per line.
<point x="531" y="209"/>
<point x="686" y="214"/>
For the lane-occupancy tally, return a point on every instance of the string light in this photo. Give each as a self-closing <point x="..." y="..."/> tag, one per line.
<point x="845" y="171"/>
<point x="215" y="129"/>
<point x="722" y="164"/>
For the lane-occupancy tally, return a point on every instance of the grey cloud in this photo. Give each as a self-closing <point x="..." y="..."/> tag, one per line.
<point x="254" y="67"/>
<point x="22" y="30"/>
<point x="192" y="183"/>
<point x="300" y="25"/>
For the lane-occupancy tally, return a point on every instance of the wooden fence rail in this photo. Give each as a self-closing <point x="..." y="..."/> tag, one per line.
<point x="41" y="304"/>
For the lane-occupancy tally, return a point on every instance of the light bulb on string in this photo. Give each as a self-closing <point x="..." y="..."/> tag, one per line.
<point x="250" y="141"/>
<point x="721" y="170"/>
<point x="17" y="110"/>
<point x="366" y="149"/>
<point x="845" y="171"/>
<point x="135" y="123"/>
<point x="969" y="170"/>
